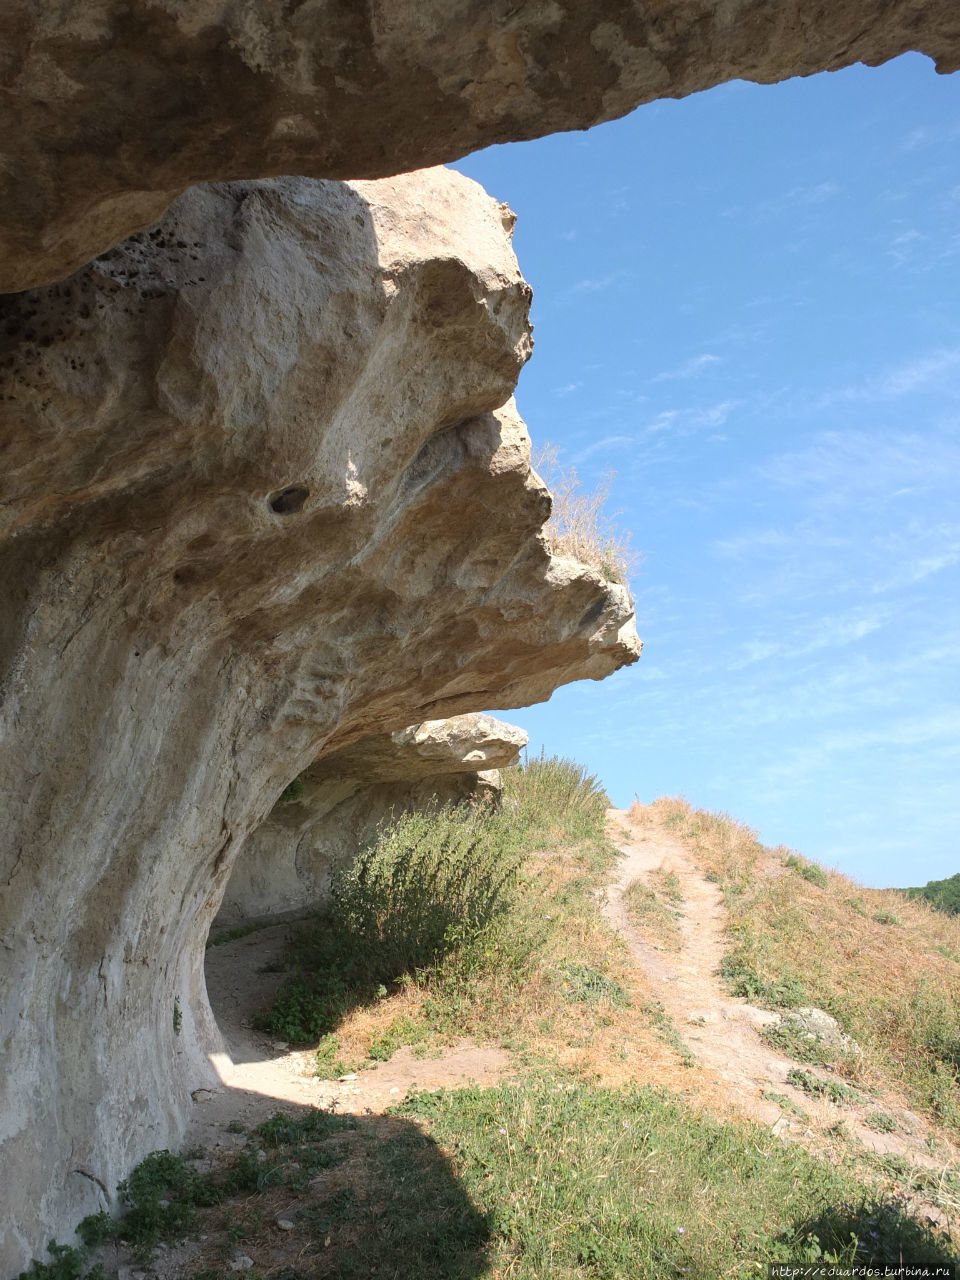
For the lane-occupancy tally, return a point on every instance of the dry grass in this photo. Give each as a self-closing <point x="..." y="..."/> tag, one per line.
<point x="579" y="527"/>
<point x="655" y="911"/>
<point x="886" y="967"/>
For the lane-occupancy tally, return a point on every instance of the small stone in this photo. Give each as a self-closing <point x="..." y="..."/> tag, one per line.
<point x="280" y="1044"/>
<point x="394" y="1089"/>
<point x="241" y="1262"/>
<point x="202" y="1095"/>
<point x="284" y="1224"/>
<point x="351" y="1075"/>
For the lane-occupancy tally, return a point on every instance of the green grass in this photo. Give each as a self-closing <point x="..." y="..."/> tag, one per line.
<point x="610" y="1184"/>
<point x="547" y="1177"/>
<point x="782" y="991"/>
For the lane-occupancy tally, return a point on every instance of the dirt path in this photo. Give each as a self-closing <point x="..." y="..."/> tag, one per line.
<point x="260" y="1073"/>
<point x="722" y="1031"/>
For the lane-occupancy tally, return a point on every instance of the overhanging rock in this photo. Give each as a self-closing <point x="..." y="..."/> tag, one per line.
<point x="111" y="108"/>
<point x="338" y="804"/>
<point x="264" y="494"/>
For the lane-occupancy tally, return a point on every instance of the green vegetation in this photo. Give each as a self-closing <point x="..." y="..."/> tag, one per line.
<point x="785" y="1104"/>
<point x="469" y="922"/>
<point x="615" y="1183"/>
<point x="545" y="1177"/>
<point x="833" y="1090"/>
<point x="796" y="1043"/>
<point x="883" y="966"/>
<point x="888" y="917"/>
<point x="66" y="1263"/>
<point x="881" y="1122"/>
<point x="656" y="911"/>
<point x="809" y="870"/>
<point x="942" y="894"/>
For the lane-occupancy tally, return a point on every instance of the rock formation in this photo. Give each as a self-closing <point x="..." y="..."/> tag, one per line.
<point x="337" y="804"/>
<point x="264" y="495"/>
<point x="110" y="110"/>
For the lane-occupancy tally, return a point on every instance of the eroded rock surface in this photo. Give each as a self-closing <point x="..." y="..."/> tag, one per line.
<point x="337" y="804"/>
<point x="264" y="495"/>
<point x="111" y="109"/>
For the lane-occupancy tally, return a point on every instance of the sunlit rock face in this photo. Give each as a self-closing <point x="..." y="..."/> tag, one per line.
<point x="337" y="805"/>
<point x="111" y="109"/>
<point x="264" y="495"/>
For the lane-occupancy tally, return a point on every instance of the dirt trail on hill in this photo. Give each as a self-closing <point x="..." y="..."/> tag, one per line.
<point x="721" y="1030"/>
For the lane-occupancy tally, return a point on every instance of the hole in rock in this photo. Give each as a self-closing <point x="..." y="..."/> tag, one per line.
<point x="287" y="501"/>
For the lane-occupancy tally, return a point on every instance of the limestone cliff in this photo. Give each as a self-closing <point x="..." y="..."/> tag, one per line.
<point x="338" y="803"/>
<point x="111" y="108"/>
<point x="263" y="495"/>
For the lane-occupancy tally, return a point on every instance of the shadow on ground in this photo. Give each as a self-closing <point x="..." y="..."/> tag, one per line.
<point x="305" y="1194"/>
<point x="880" y="1233"/>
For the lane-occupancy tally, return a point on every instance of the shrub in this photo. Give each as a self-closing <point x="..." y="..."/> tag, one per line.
<point x="809" y="870"/>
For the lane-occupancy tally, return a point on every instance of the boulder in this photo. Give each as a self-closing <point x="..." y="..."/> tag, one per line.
<point x="111" y="108"/>
<point x="248" y="461"/>
<point x="337" y="805"/>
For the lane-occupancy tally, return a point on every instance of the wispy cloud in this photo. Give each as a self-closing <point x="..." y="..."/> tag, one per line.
<point x="688" y="421"/>
<point x="596" y="284"/>
<point x="601" y="446"/>
<point x="917" y="374"/>
<point x="691" y="368"/>
<point x="825" y="633"/>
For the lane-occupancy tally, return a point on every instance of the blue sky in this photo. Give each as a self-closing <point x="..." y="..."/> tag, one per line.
<point x="747" y="304"/>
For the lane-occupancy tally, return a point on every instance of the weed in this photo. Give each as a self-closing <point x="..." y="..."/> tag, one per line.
<point x="668" y="1033"/>
<point x="578" y="526"/>
<point x="881" y="1122"/>
<point x="887" y="917"/>
<point x="177" y="1016"/>
<point x="414" y="954"/>
<point x="785" y="1104"/>
<point x="783" y="992"/>
<point x="833" y="1090"/>
<point x="66" y="1263"/>
<point x="235" y="1127"/>
<point x="589" y="986"/>
<point x="809" y="870"/>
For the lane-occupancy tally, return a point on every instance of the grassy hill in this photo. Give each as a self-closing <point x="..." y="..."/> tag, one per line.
<point x="607" y="1151"/>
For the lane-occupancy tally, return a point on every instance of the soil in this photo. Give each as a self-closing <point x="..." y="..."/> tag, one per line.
<point x="258" y="1072"/>
<point x="721" y="1030"/>
<point x="261" y="1074"/>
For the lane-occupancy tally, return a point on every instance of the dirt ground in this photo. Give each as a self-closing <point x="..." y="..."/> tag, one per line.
<point x="260" y="1073"/>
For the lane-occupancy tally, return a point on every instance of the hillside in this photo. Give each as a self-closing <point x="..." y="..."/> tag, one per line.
<point x="561" y="1040"/>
